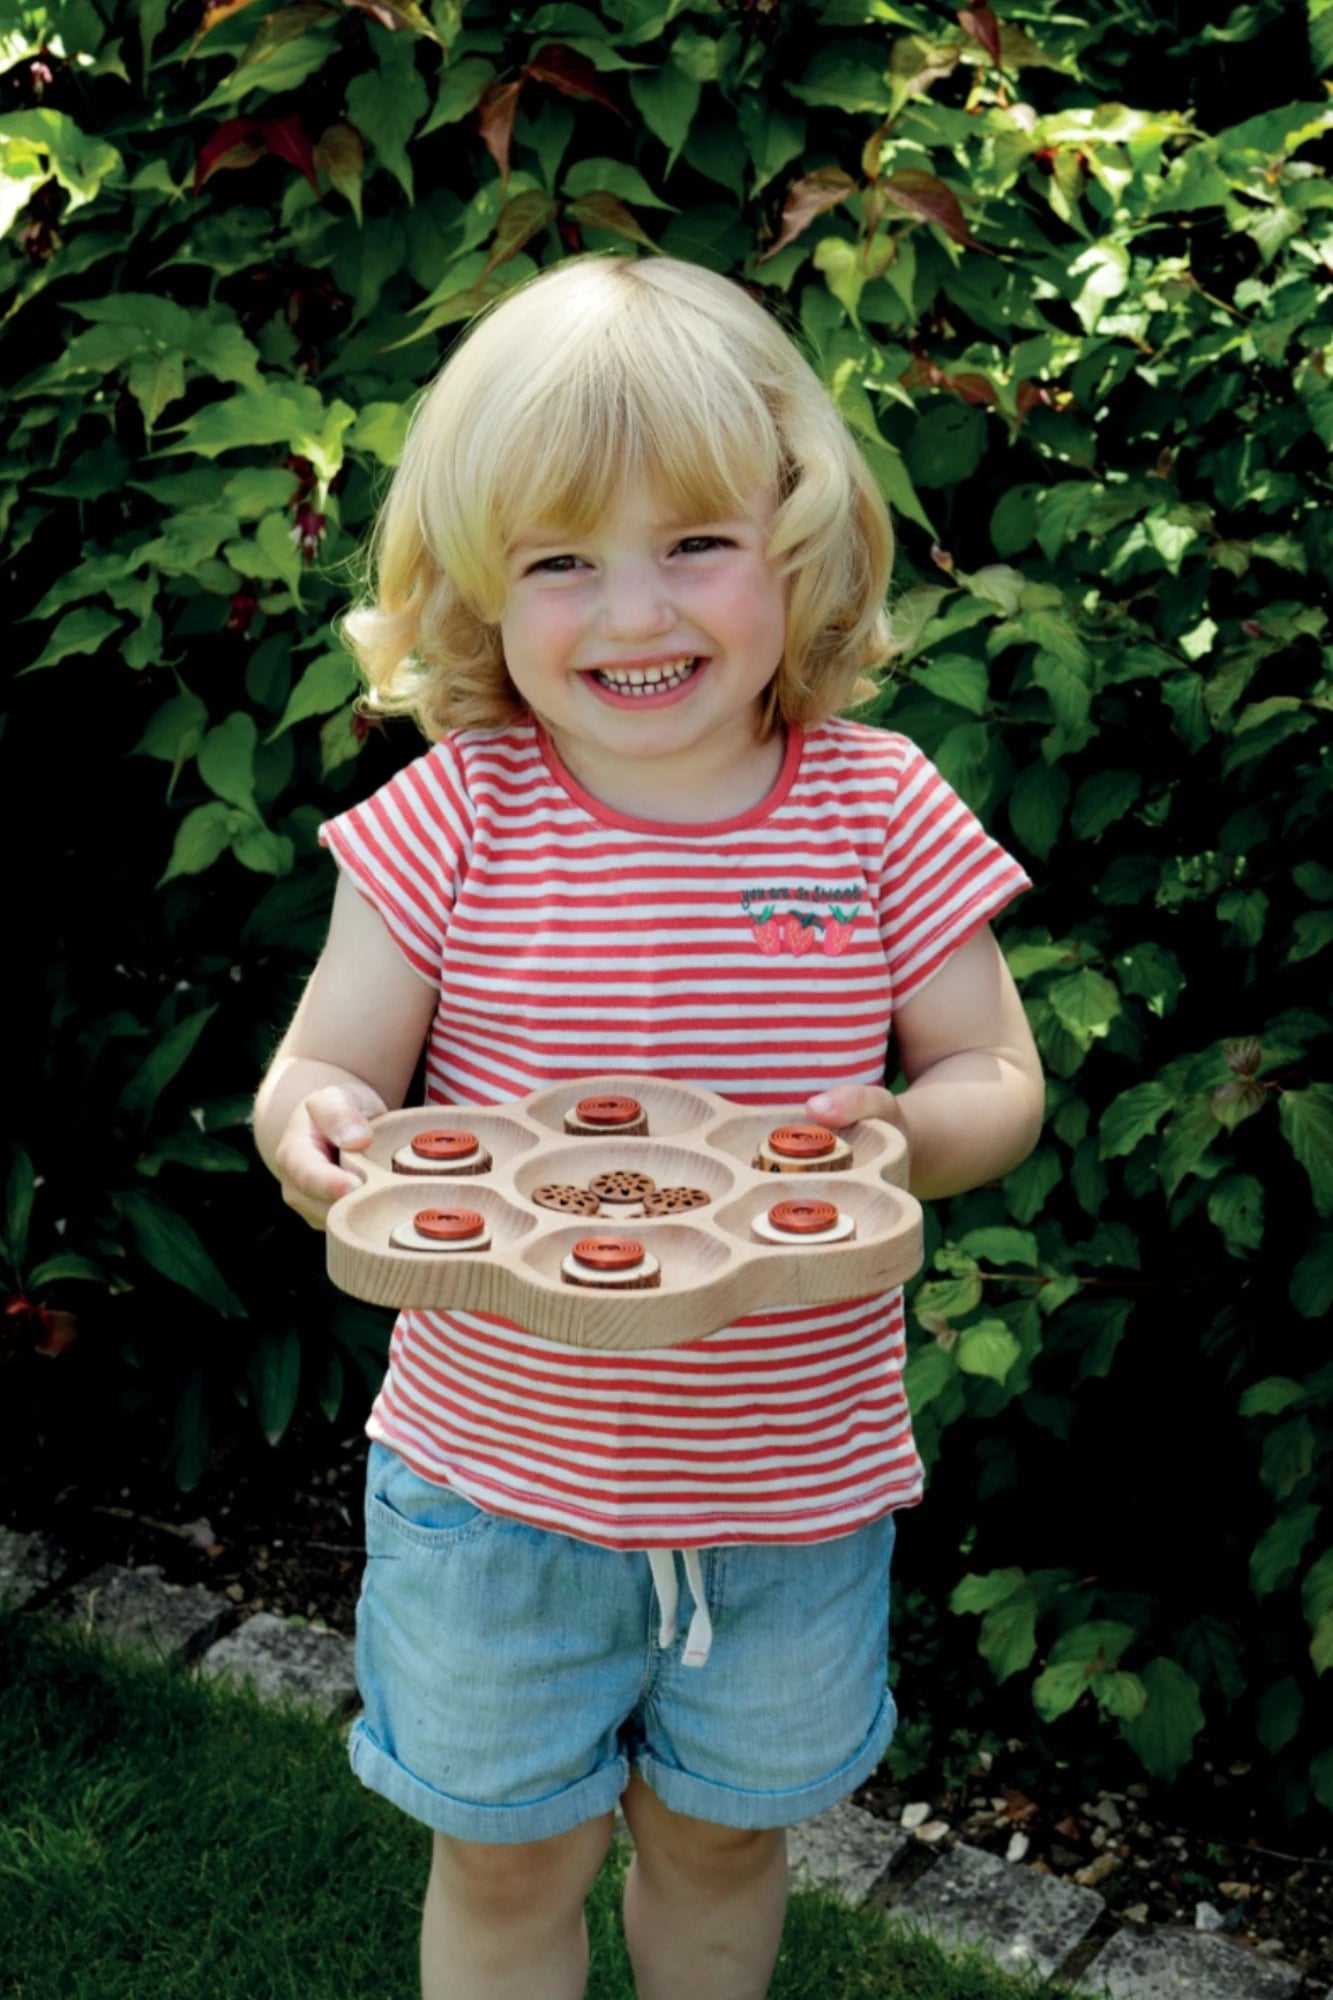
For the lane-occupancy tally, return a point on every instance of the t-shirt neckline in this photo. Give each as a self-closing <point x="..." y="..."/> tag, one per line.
<point x="677" y="829"/>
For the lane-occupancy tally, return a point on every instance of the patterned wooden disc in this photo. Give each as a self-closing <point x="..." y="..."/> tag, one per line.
<point x="675" y="1200"/>
<point x="568" y="1200"/>
<point x="622" y="1185"/>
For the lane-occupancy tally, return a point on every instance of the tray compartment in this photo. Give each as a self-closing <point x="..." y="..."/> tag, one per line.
<point x="671" y="1107"/>
<point x="577" y="1160"/>
<point x="871" y="1143"/>
<point x="504" y="1137"/>
<point x="373" y="1212"/>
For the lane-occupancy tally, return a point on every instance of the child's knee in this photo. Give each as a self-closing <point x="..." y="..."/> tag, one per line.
<point x="525" y="1880"/>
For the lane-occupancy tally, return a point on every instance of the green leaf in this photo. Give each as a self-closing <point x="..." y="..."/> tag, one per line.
<point x="1312" y="1280"/>
<point x="20" y="1188"/>
<point x="275" y="1370"/>
<point x="193" y="1149"/>
<point x="201" y="837"/>
<point x="1236" y="1206"/>
<point x="1131" y="1117"/>
<point x="1306" y="1118"/>
<point x="1185" y="1142"/>
<point x="1037" y="806"/>
<point x="1276" y="1556"/>
<point x="1288" y="1456"/>
<point x="168" y="1056"/>
<point x="988" y="1348"/>
<point x="1056" y="1691"/>
<point x="956" y="678"/>
<point x="1151" y="973"/>
<point x="1002" y="1246"/>
<point x="1163" y="1736"/>
<point x="1280" y="1710"/>
<point x="1085" y="1003"/>
<point x="226" y="761"/>
<point x="947" y="444"/>
<point x="1102" y="799"/>
<point x="326" y="684"/>
<point x="667" y="99"/>
<point x="167" y="1242"/>
<point x="1271" y="1396"/>
<point x="65" y="1268"/>
<point x="1026" y="1188"/>
<point x="84" y="630"/>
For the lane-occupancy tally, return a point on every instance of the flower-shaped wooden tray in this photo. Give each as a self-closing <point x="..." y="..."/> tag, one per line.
<point x="713" y="1271"/>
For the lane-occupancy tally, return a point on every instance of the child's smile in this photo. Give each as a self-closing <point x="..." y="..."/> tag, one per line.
<point x="645" y="647"/>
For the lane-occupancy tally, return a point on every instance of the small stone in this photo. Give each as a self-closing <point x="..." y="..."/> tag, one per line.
<point x="933" y="1830"/>
<point x="1136" y="1913"/>
<point x="1107" y="1811"/>
<point x="915" y="1815"/>
<point x="1017" y="1847"/>
<point x="1139" y="1791"/>
<point x="1271" y="1948"/>
<point x="1096" y="1871"/>
<point x="984" y="1762"/>
<point x="236" y="1592"/>
<point x="1240" y="1769"/>
<point x="1207" y="1917"/>
<point x="1238" y="1891"/>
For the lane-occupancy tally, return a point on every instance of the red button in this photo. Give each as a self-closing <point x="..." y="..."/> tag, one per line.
<point x="802" y="1218"/>
<point x="449" y="1225"/>
<point x="608" y="1110"/>
<point x="802" y="1142"/>
<point x="444" y="1145"/>
<point x="609" y="1253"/>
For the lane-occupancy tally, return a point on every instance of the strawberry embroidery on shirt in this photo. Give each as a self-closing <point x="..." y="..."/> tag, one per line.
<point x="796" y="933"/>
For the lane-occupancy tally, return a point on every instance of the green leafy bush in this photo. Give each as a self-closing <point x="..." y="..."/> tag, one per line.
<point x="1082" y="339"/>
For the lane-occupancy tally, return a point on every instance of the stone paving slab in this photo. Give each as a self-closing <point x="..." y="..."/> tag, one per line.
<point x="1184" y="1965"/>
<point x="1019" y="1916"/>
<point x="283" y="1661"/>
<point x="29" y="1564"/>
<point x="845" y="1849"/>
<point x="138" y="1610"/>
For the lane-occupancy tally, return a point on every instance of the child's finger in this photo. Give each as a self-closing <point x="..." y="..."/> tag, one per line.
<point x="848" y="1102"/>
<point x="340" y="1119"/>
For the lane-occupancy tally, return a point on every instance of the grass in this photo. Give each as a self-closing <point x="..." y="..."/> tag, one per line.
<point x="164" y="1838"/>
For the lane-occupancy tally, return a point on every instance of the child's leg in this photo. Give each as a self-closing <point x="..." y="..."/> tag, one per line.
<point x="502" y="1921"/>
<point x="703" y="1904"/>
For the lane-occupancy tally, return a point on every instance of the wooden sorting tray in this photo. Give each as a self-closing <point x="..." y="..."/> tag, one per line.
<point x="713" y="1271"/>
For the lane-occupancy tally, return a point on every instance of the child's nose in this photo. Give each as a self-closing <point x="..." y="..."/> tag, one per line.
<point x="636" y="603"/>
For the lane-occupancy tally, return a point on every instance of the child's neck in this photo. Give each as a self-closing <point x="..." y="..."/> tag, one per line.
<point x="695" y="789"/>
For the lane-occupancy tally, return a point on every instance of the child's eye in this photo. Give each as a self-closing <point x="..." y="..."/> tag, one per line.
<point x="552" y="565"/>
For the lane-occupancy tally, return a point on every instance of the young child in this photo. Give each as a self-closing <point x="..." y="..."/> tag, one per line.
<point x="630" y="568"/>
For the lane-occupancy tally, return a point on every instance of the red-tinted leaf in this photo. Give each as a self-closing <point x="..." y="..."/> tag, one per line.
<point x="972" y="388"/>
<point x="59" y="1331"/>
<point x="924" y="196"/>
<point x="1244" y="1057"/>
<point x="396" y="14"/>
<point x="806" y="199"/>
<point x="980" y="23"/>
<point x="289" y="140"/>
<point x="1232" y="1103"/>
<point x="576" y="75"/>
<point x="222" y="11"/>
<point x="340" y="154"/>
<point x="520" y="220"/>
<point x="495" y="121"/>
<point x="1028" y="395"/>
<point x="601" y="210"/>
<point x="232" y="145"/>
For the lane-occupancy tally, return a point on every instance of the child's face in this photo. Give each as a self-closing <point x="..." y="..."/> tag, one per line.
<point x="694" y="608"/>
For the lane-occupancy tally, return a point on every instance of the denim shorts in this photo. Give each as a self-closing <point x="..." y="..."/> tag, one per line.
<point x="512" y="1676"/>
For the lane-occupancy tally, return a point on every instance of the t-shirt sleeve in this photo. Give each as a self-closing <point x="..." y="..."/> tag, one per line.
<point x="944" y="877"/>
<point x="405" y="848"/>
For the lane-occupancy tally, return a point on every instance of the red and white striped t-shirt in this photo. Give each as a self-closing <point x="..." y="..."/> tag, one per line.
<point x="760" y="956"/>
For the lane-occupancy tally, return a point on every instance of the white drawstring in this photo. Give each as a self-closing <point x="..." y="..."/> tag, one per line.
<point x="699" y="1638"/>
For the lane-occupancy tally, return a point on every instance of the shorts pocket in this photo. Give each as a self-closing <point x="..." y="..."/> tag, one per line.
<point x="406" y="1508"/>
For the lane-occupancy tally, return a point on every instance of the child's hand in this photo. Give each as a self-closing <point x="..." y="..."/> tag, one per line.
<point x="849" y="1101"/>
<point x="307" y="1152"/>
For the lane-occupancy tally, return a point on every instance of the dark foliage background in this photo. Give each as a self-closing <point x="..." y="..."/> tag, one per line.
<point x="1070" y="283"/>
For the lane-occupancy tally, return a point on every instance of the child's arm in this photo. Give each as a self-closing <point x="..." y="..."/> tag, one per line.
<point x="348" y="1055"/>
<point x="975" y="1099"/>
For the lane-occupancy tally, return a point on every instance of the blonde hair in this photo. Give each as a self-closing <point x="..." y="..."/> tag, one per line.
<point x="602" y="370"/>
